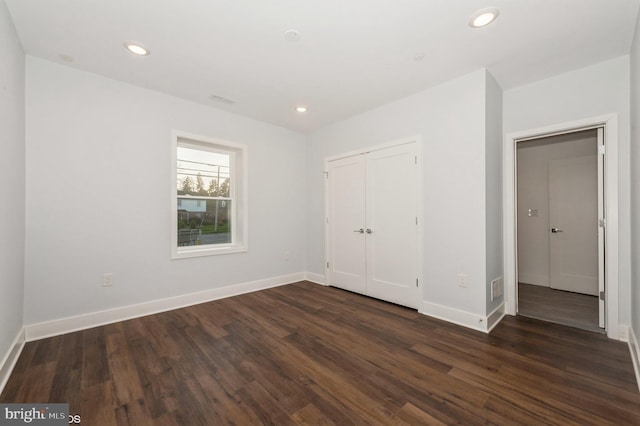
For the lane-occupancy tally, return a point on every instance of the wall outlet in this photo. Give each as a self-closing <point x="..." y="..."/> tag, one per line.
<point x="107" y="280"/>
<point x="462" y="280"/>
<point x="497" y="287"/>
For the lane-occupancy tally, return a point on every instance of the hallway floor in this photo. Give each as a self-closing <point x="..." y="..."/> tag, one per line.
<point x="557" y="306"/>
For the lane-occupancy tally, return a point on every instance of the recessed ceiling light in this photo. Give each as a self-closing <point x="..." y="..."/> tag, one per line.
<point x="301" y="108"/>
<point x="137" y="49"/>
<point x="484" y="17"/>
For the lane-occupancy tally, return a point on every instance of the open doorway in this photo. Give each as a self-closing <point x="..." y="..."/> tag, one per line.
<point x="560" y="243"/>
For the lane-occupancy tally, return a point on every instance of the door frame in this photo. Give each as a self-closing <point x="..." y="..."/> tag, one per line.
<point x="419" y="188"/>
<point x="610" y="124"/>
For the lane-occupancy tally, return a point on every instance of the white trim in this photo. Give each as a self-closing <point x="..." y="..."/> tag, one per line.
<point x="366" y="150"/>
<point x="610" y="124"/>
<point x="623" y="332"/>
<point x="239" y="166"/>
<point x="635" y="354"/>
<point x="534" y="279"/>
<point x="463" y="318"/>
<point x="420" y="212"/>
<point x="495" y="317"/>
<point x="95" y="319"/>
<point x="316" y="278"/>
<point x="11" y="358"/>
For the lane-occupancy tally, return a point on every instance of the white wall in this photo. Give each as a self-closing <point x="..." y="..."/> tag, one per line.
<point x="109" y="144"/>
<point x="493" y="176"/>
<point x="450" y="119"/>
<point x="635" y="177"/>
<point x="12" y="166"/>
<point x="588" y="92"/>
<point x="533" y="193"/>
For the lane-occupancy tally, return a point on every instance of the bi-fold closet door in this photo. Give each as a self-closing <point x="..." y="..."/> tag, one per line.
<point x="372" y="224"/>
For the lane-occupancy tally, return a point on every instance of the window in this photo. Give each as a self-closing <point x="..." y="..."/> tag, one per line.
<point x="208" y="197"/>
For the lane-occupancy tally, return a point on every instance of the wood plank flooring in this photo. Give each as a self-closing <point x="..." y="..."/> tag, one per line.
<point x="562" y="307"/>
<point x="307" y="354"/>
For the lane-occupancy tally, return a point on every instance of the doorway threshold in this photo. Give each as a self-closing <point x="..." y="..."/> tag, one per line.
<point x="559" y="307"/>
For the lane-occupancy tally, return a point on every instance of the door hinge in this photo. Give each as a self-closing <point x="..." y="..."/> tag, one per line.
<point x="416" y="282"/>
<point x="602" y="222"/>
<point x="416" y="220"/>
<point x="415" y="158"/>
<point x="327" y="265"/>
<point x="601" y="149"/>
<point x="602" y="295"/>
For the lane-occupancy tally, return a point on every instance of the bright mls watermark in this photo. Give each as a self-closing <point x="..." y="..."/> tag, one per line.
<point x="34" y="414"/>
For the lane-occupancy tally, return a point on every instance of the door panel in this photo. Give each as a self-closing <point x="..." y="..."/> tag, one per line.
<point x="573" y="213"/>
<point x="392" y="267"/>
<point x="346" y="214"/>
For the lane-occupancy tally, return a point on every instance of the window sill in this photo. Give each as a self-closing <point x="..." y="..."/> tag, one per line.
<point x="199" y="251"/>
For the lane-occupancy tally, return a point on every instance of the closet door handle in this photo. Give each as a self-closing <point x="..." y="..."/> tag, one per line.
<point x="556" y="230"/>
<point x="359" y="231"/>
<point x="369" y="231"/>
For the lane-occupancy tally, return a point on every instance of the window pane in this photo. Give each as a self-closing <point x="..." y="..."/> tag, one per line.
<point x="204" y="221"/>
<point x="203" y="173"/>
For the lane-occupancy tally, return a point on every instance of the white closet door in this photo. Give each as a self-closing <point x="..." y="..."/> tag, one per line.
<point x="391" y="225"/>
<point x="346" y="224"/>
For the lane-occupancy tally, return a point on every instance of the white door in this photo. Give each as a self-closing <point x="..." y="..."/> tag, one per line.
<point x="392" y="238"/>
<point x="346" y="224"/>
<point x="372" y="224"/>
<point x="573" y="219"/>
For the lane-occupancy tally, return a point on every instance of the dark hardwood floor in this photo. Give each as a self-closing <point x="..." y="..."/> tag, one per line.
<point x="307" y="354"/>
<point x="562" y="307"/>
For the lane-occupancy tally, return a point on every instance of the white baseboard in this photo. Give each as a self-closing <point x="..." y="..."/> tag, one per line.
<point x="533" y="279"/>
<point x="621" y="333"/>
<point x="95" y="319"/>
<point x="463" y="318"/>
<point x="315" y="278"/>
<point x="495" y="317"/>
<point x="635" y="354"/>
<point x="10" y="359"/>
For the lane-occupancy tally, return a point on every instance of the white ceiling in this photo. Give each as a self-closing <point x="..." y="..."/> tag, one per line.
<point x="354" y="55"/>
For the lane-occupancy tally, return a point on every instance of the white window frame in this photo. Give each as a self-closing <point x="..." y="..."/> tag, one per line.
<point x="238" y="193"/>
